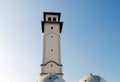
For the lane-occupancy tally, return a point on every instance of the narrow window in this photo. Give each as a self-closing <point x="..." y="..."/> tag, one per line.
<point x="51" y="27"/>
<point x="50" y="78"/>
<point x="51" y="65"/>
<point x="54" y="19"/>
<point x="51" y="36"/>
<point x="49" y="18"/>
<point x="51" y="50"/>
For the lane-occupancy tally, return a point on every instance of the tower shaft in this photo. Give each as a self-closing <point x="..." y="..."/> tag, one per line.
<point x="51" y="27"/>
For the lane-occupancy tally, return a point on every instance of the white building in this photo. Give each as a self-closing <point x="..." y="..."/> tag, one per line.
<point x="92" y="78"/>
<point x="51" y="67"/>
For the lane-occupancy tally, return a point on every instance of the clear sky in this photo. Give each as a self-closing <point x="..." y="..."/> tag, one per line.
<point x="90" y="39"/>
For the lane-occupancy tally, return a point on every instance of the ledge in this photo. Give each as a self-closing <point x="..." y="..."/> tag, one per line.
<point x="53" y="62"/>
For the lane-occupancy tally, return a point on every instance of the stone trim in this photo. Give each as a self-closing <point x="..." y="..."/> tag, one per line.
<point x="49" y="73"/>
<point x="53" y="62"/>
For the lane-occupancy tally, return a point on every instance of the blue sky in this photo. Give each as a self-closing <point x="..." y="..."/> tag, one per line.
<point x="90" y="39"/>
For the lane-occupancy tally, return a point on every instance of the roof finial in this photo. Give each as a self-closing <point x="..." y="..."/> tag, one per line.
<point x="91" y="74"/>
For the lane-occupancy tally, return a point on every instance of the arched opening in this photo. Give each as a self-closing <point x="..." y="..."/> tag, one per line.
<point x="54" y="19"/>
<point x="49" y="18"/>
<point x="51" y="65"/>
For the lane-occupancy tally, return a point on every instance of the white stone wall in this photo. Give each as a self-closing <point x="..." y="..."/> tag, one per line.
<point x="47" y="28"/>
<point x="51" y="50"/>
<point x="52" y="68"/>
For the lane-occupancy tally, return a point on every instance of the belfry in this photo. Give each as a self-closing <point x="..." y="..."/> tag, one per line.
<point x="51" y="67"/>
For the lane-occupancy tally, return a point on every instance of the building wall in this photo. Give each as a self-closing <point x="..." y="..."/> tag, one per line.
<point x="52" y="68"/>
<point x="51" y="51"/>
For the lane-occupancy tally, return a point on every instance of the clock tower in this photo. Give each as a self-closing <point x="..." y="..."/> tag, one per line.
<point x="51" y="27"/>
<point x="51" y="67"/>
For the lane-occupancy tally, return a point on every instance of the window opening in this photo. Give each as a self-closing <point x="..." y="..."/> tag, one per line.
<point x="54" y="19"/>
<point x="50" y="78"/>
<point x="51" y="27"/>
<point x="51" y="50"/>
<point x="51" y="65"/>
<point x="49" y="18"/>
<point x="51" y="36"/>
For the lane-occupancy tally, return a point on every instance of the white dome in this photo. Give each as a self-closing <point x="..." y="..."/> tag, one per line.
<point x="51" y="78"/>
<point x="92" y="78"/>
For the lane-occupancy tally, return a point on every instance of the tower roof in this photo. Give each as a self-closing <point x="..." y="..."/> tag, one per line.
<point x="46" y="21"/>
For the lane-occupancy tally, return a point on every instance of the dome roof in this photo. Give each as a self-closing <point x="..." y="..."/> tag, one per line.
<point x="92" y="78"/>
<point x="51" y="78"/>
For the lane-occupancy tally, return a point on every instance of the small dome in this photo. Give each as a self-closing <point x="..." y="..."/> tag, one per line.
<point x="51" y="78"/>
<point x="92" y="78"/>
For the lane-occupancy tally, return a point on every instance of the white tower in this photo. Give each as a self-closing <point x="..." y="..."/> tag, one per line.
<point x="51" y="65"/>
<point x="51" y="27"/>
